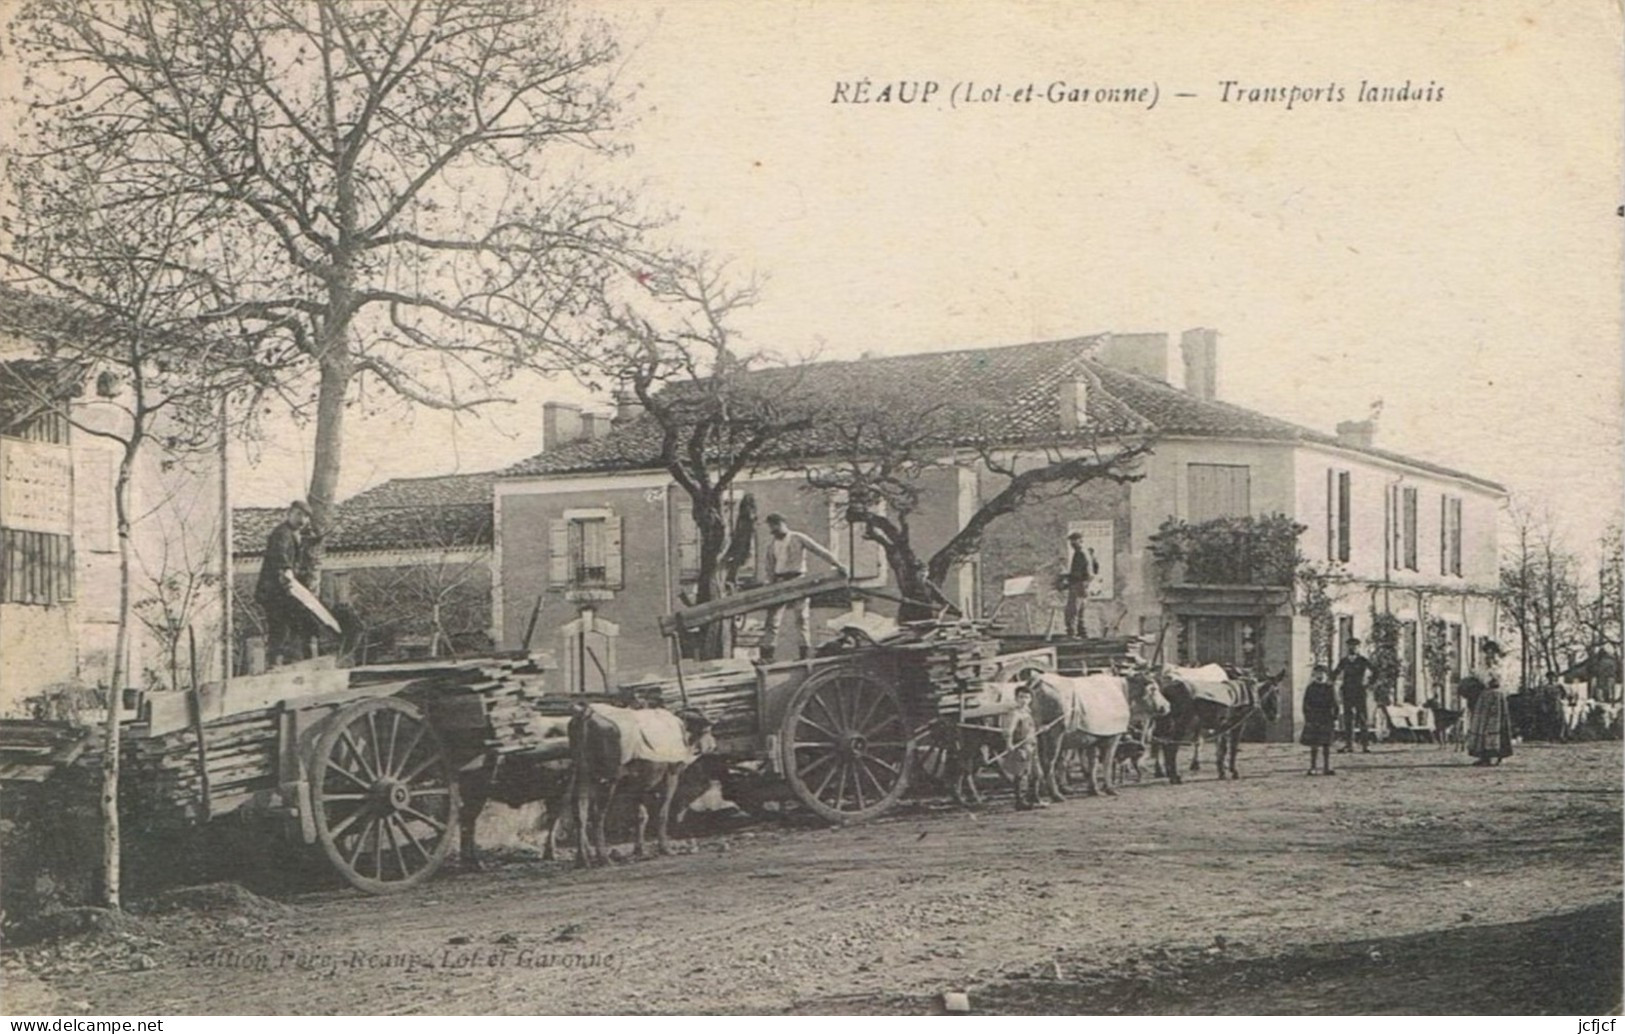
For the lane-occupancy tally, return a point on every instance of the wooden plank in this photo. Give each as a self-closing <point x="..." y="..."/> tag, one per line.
<point x="747" y="600"/>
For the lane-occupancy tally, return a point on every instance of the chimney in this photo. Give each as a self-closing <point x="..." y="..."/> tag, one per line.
<point x="1144" y="354"/>
<point x="627" y="406"/>
<point x="1200" y="350"/>
<point x="595" y="425"/>
<point x="1074" y="403"/>
<point x="1357" y="434"/>
<point x="561" y="424"/>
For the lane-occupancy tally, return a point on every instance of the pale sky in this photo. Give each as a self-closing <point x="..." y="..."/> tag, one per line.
<point x="1458" y="259"/>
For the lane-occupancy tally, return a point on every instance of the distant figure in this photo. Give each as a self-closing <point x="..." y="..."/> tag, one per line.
<point x="285" y="559"/>
<point x="787" y="558"/>
<point x="1080" y="573"/>
<point x="1319" y="719"/>
<point x="1489" y="730"/>
<point x="1351" y="674"/>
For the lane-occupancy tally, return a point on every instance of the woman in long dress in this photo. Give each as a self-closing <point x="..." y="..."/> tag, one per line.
<point x="1489" y="729"/>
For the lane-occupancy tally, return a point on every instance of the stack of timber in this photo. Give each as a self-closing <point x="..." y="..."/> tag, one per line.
<point x="941" y="665"/>
<point x="32" y="752"/>
<point x="725" y="693"/>
<point x="162" y="775"/>
<point x="486" y="705"/>
<point x="1074" y="656"/>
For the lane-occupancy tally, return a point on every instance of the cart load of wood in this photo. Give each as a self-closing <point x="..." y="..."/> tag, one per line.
<point x="488" y="705"/>
<point x="726" y="695"/>
<point x="1074" y="656"/>
<point x="166" y="776"/>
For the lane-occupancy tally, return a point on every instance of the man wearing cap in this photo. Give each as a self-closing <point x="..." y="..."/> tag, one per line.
<point x="284" y="560"/>
<point x="787" y="558"/>
<point x="1351" y="673"/>
<point x="1082" y="571"/>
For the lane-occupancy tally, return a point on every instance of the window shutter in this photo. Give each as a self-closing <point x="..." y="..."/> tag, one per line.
<point x="1344" y="515"/>
<point x="1331" y="515"/>
<point x="688" y="542"/>
<point x="1443" y="534"/>
<point x="558" y="553"/>
<point x="1455" y="536"/>
<point x="1410" y="530"/>
<point x="613" y="566"/>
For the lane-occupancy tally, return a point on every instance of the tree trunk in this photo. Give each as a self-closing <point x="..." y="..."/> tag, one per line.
<point x="324" y="472"/>
<point x="711" y="642"/>
<point x="111" y="842"/>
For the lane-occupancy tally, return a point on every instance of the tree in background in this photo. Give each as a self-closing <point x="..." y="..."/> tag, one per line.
<point x="377" y="194"/>
<point x="874" y="447"/>
<point x="714" y="409"/>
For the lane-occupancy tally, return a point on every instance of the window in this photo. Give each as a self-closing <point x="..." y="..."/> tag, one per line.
<point x="1402" y="513"/>
<point x="1345" y="632"/>
<point x="35" y="567"/>
<point x="1450" y="534"/>
<point x="863" y="557"/>
<point x="1218" y="490"/>
<point x="688" y="541"/>
<point x="1407" y="661"/>
<point x="1337" y="515"/>
<point x="584" y="550"/>
<point x="1452" y="636"/>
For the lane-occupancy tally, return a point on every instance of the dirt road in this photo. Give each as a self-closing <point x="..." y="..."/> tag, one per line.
<point x="1408" y="883"/>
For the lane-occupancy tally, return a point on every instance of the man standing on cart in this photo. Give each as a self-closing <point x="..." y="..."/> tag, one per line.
<point x="285" y="559"/>
<point x="1081" y="571"/>
<point x="787" y="558"/>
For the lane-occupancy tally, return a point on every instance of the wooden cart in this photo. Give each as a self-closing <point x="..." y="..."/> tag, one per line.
<point x="361" y="764"/>
<point x="842" y="730"/>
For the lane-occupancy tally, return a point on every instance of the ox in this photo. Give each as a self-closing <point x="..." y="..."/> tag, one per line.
<point x="516" y="779"/>
<point x="1090" y="715"/>
<point x="1215" y="703"/>
<point x="642" y="752"/>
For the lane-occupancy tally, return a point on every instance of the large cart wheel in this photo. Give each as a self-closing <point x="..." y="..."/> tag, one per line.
<point x="845" y="744"/>
<point x="383" y="795"/>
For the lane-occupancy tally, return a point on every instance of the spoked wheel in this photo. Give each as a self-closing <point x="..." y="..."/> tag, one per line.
<point x="383" y="794"/>
<point x="845" y="745"/>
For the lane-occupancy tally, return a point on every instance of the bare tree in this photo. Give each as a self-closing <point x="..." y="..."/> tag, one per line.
<point x="107" y="286"/>
<point x="878" y="444"/>
<point x="1541" y="591"/>
<point x="718" y="410"/>
<point x="376" y="188"/>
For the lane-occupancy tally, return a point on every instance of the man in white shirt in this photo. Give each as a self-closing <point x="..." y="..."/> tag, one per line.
<point x="787" y="558"/>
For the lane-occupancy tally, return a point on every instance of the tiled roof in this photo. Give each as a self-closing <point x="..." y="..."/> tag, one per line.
<point x="26" y="384"/>
<point x="1020" y="389"/>
<point x="450" y="511"/>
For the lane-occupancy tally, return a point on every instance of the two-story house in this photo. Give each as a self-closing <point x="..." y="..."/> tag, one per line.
<point x="593" y="532"/>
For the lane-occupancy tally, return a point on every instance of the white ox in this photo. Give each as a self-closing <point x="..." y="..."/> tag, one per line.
<point x="1090" y="714"/>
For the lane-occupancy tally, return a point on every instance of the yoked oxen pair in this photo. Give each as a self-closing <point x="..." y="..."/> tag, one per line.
<point x="1089" y="714"/>
<point x="1215" y="703"/>
<point x="639" y="751"/>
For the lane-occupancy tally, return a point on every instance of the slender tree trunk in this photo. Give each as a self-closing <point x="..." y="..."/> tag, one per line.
<point x="111" y="842"/>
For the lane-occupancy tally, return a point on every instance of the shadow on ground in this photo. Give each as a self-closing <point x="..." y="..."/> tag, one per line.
<point x="1562" y="964"/>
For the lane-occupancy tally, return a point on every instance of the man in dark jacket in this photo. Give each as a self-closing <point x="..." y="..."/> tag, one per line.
<point x="1081" y="571"/>
<point x="1352" y="673"/>
<point x="284" y="562"/>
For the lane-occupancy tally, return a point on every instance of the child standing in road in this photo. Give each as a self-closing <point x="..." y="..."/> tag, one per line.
<point x="1319" y="719"/>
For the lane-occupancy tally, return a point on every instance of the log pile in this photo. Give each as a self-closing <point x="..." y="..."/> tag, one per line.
<point x="939" y="665"/>
<point x="161" y="775"/>
<point x="31" y="752"/>
<point x="1075" y="656"/>
<point x="492" y="705"/>
<point x="726" y="696"/>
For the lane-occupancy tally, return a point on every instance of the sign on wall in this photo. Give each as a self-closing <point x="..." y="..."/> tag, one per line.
<point x="36" y="487"/>
<point x="1097" y="535"/>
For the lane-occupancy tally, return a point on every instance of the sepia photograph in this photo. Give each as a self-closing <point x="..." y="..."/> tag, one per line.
<point x="634" y="507"/>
